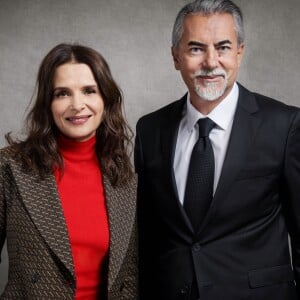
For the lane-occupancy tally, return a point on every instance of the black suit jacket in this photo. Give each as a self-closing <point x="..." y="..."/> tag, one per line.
<point x="241" y="250"/>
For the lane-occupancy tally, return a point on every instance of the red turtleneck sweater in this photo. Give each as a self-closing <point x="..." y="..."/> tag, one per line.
<point x="81" y="192"/>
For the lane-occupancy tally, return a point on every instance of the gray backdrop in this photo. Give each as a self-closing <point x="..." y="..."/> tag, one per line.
<point x="134" y="37"/>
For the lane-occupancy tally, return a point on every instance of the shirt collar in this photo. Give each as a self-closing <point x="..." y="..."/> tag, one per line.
<point x="222" y="114"/>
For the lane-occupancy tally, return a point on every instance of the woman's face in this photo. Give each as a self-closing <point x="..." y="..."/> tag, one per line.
<point x="77" y="105"/>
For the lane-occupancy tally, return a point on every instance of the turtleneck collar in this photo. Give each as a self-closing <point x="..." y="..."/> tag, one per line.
<point x="77" y="151"/>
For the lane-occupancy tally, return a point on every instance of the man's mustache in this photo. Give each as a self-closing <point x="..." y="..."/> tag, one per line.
<point x="215" y="72"/>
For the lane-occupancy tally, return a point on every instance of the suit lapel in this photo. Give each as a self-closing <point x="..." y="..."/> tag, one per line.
<point x="121" y="202"/>
<point x="245" y="124"/>
<point x="42" y="203"/>
<point x="169" y="131"/>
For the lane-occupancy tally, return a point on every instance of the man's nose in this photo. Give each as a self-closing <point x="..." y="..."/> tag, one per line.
<point x="211" y="60"/>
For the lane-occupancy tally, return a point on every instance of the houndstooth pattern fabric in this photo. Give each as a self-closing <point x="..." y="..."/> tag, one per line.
<point x="40" y="259"/>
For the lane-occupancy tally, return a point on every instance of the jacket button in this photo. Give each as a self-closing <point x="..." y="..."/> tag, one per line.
<point x="69" y="283"/>
<point x="184" y="290"/>
<point x="35" y="278"/>
<point x="196" y="247"/>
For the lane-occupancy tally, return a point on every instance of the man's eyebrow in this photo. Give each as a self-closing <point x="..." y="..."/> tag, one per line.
<point x="199" y="44"/>
<point x="221" y="43"/>
<point x="194" y="43"/>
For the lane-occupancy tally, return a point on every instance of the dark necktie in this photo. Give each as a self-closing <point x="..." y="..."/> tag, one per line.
<point x="200" y="180"/>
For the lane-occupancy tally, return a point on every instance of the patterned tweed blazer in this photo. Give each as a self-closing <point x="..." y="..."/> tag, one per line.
<point x="40" y="259"/>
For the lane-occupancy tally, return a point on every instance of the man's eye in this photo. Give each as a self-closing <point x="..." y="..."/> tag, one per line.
<point x="224" y="49"/>
<point x="196" y="50"/>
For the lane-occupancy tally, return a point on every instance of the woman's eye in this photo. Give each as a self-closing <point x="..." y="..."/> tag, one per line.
<point x="90" y="91"/>
<point x="60" y="94"/>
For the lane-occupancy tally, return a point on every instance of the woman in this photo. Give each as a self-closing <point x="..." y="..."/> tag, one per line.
<point x="67" y="192"/>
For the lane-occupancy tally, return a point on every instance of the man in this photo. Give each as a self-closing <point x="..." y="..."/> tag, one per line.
<point x="215" y="205"/>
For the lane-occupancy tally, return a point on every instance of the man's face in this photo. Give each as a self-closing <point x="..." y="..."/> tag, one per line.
<point x="208" y="56"/>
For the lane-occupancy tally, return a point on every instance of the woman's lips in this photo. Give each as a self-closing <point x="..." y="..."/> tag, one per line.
<point x="78" y="120"/>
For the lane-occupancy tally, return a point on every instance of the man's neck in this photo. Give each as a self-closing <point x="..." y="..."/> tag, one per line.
<point x="206" y="106"/>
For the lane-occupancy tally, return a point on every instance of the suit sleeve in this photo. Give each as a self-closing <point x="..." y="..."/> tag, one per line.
<point x="291" y="193"/>
<point x="146" y="224"/>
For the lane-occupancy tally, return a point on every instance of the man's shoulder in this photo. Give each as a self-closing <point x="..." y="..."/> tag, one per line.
<point x="267" y="103"/>
<point x="163" y="113"/>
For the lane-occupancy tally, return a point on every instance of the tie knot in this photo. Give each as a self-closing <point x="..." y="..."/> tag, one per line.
<point x="205" y="126"/>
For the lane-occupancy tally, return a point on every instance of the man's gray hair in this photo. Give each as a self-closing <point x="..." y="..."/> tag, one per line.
<point x="209" y="7"/>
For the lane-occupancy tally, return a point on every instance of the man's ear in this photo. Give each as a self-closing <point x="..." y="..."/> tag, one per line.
<point x="175" y="56"/>
<point x="240" y="53"/>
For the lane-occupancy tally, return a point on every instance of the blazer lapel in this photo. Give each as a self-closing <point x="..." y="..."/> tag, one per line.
<point x="245" y="124"/>
<point x="121" y="206"/>
<point x="42" y="202"/>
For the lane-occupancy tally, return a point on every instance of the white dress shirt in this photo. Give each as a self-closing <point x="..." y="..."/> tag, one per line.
<point x="222" y="115"/>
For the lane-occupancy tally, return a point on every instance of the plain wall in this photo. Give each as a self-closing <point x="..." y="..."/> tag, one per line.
<point x="134" y="37"/>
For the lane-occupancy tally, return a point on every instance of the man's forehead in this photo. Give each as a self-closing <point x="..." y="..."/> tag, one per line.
<point x="211" y="28"/>
<point x="209" y="20"/>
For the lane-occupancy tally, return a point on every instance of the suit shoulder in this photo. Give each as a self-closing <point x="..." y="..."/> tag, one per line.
<point x="268" y="104"/>
<point x="275" y="110"/>
<point x="274" y="103"/>
<point x="155" y="117"/>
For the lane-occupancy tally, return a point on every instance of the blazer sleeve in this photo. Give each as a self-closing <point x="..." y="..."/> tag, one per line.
<point x="291" y="193"/>
<point x="2" y="207"/>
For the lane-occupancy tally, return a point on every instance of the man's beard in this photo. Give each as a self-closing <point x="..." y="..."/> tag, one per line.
<point x="211" y="91"/>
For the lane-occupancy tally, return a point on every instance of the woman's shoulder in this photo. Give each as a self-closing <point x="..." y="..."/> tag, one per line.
<point x="6" y="152"/>
<point x="7" y="155"/>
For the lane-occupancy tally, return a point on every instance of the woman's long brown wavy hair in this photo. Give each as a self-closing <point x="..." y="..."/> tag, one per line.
<point x="39" y="151"/>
